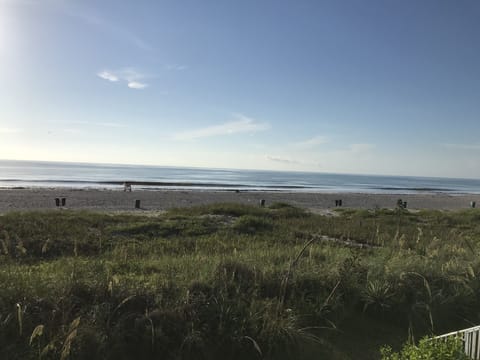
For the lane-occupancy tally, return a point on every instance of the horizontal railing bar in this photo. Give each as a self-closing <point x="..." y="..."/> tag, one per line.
<point x="459" y="332"/>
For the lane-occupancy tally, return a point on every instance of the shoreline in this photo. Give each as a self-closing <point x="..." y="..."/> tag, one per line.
<point x="157" y="200"/>
<point x="213" y="186"/>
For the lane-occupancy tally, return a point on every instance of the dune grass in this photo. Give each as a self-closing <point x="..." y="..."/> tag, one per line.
<point x="233" y="281"/>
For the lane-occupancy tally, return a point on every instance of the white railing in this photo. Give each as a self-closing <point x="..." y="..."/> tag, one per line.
<point x="470" y="338"/>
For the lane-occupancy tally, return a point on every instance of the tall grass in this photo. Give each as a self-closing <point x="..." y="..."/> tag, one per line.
<point x="233" y="281"/>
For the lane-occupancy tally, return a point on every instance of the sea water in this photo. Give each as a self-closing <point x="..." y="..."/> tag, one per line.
<point x="30" y="174"/>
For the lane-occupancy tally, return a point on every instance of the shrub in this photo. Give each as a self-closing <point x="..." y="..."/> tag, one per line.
<point x="428" y="349"/>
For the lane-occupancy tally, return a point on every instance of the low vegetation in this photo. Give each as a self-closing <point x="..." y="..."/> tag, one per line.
<point x="428" y="349"/>
<point x="229" y="281"/>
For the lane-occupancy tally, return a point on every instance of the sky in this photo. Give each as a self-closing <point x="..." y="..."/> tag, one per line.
<point x="341" y="86"/>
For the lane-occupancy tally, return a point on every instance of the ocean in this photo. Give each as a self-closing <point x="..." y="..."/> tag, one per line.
<point x="32" y="174"/>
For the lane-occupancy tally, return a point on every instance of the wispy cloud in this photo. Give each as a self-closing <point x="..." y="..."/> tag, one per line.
<point x="90" y="16"/>
<point x="311" y="142"/>
<point x="282" y="160"/>
<point x="462" y="146"/>
<point x="87" y="16"/>
<point x="129" y="75"/>
<point x="241" y="124"/>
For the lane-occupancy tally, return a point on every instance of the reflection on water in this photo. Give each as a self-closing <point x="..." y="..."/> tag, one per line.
<point x="54" y="174"/>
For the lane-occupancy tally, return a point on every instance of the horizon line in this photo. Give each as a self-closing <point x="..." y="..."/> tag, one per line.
<point x="236" y="169"/>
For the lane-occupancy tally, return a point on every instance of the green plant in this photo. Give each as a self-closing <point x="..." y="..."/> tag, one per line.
<point x="206" y="282"/>
<point x="377" y="296"/>
<point x="428" y="349"/>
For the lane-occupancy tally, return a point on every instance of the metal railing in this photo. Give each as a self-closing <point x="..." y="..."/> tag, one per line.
<point x="470" y="339"/>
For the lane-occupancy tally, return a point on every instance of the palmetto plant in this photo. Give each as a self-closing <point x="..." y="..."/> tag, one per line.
<point x="377" y="295"/>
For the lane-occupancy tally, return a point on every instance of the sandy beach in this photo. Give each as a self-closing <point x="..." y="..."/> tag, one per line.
<point x="157" y="200"/>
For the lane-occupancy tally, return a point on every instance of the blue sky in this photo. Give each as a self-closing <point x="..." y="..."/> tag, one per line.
<point x="368" y="87"/>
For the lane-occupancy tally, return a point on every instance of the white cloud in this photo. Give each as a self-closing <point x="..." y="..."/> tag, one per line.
<point x="108" y="76"/>
<point x="243" y="124"/>
<point x="136" y="85"/>
<point x="312" y="142"/>
<point x="130" y="75"/>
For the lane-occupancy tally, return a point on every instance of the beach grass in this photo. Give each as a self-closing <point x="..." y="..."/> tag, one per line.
<point x="233" y="281"/>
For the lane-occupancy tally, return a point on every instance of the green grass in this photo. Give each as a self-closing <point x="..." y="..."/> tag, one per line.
<point x="233" y="281"/>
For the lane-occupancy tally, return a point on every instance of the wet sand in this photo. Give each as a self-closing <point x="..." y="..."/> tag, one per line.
<point x="157" y="200"/>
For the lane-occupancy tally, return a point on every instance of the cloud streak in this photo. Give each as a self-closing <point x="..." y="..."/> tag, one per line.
<point x="241" y="125"/>
<point x="88" y="17"/>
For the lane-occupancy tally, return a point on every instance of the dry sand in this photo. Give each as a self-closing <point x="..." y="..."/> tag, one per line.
<point x="157" y="200"/>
